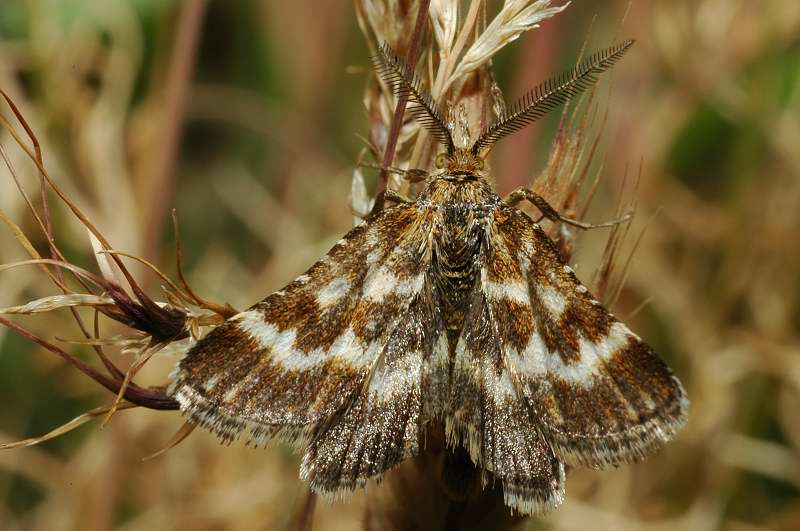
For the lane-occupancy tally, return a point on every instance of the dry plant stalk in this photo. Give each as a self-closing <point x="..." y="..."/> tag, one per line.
<point x="152" y="325"/>
<point x="456" y="65"/>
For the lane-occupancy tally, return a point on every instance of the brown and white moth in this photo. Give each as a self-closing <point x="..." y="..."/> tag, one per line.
<point x="451" y="312"/>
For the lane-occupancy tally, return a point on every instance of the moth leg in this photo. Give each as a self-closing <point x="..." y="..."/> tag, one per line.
<point x="391" y="195"/>
<point x="524" y="194"/>
<point x="412" y="175"/>
<point x="388" y="195"/>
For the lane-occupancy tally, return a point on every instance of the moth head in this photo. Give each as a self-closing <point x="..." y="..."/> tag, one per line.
<point x="460" y="161"/>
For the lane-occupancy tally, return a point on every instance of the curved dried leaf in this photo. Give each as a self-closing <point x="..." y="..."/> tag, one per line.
<point x="54" y="302"/>
<point x="516" y="17"/>
<point x="65" y="428"/>
<point x="179" y="436"/>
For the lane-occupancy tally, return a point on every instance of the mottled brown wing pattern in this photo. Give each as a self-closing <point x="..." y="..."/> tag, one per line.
<point x="599" y="394"/>
<point x="454" y="310"/>
<point x="352" y="360"/>
<point x="383" y="424"/>
<point x="489" y="419"/>
<point x="330" y="362"/>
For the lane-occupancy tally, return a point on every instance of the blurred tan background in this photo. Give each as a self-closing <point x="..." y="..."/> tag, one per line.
<point x="707" y="102"/>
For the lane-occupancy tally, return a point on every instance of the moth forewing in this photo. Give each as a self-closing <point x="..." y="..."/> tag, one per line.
<point x="284" y="367"/>
<point x="600" y="395"/>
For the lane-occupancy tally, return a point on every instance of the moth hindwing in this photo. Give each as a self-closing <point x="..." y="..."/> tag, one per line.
<point x="451" y="314"/>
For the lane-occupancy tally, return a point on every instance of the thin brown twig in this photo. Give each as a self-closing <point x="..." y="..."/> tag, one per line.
<point x="57" y="280"/>
<point x="46" y="226"/>
<point x="592" y="153"/>
<point x="149" y="398"/>
<point x="78" y="271"/>
<point x="224" y="310"/>
<point x="168" y="324"/>
<point x="626" y="268"/>
<point x="306" y="516"/>
<point x="152" y="267"/>
<point x="146" y="312"/>
<point x="412" y="56"/>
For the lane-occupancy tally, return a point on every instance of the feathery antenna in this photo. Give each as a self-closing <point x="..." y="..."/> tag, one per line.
<point x="549" y="95"/>
<point x="396" y="74"/>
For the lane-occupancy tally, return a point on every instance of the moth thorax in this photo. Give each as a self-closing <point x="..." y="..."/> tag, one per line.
<point x="459" y="162"/>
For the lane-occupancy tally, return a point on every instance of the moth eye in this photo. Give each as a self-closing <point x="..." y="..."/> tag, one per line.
<point x="479" y="163"/>
<point x="441" y="160"/>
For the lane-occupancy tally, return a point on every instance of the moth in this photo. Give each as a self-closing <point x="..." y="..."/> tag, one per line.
<point x="454" y="312"/>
